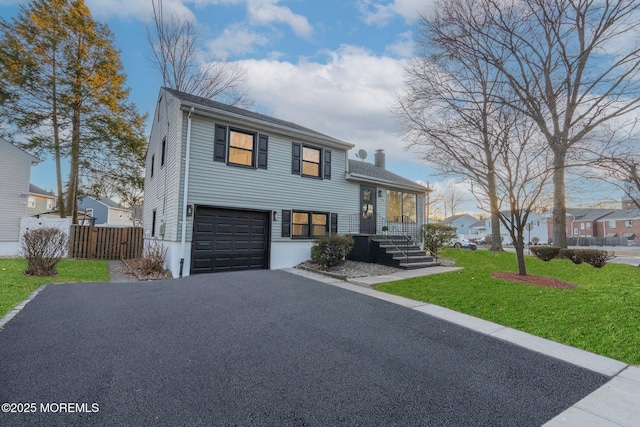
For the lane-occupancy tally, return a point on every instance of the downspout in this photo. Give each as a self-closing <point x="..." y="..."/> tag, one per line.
<point x="185" y="189"/>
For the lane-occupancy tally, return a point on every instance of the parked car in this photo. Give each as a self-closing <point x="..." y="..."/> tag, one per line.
<point x="461" y="242"/>
<point x="481" y="241"/>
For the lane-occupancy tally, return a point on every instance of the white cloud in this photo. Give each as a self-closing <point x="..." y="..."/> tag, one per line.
<point x="349" y="97"/>
<point x="236" y="39"/>
<point x="142" y="10"/>
<point x="404" y="47"/>
<point x="375" y="12"/>
<point x="266" y="12"/>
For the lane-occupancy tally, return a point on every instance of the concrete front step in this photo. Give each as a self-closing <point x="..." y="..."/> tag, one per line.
<point x="413" y="258"/>
<point x="416" y="265"/>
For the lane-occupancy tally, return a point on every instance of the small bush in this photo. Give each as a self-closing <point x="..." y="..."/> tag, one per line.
<point x="571" y="254"/>
<point x="153" y="258"/>
<point x="545" y="252"/>
<point x="43" y="248"/>
<point x="330" y="250"/>
<point x="594" y="257"/>
<point x="437" y="235"/>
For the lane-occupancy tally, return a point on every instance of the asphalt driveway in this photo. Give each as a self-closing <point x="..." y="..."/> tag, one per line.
<point x="264" y="348"/>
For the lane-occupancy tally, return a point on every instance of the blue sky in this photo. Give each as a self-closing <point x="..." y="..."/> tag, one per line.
<point x="332" y="65"/>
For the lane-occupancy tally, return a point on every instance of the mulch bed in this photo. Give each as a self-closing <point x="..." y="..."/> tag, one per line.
<point x="134" y="268"/>
<point x="534" y="280"/>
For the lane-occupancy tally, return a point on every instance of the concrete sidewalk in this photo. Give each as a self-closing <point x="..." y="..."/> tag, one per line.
<point x="617" y="403"/>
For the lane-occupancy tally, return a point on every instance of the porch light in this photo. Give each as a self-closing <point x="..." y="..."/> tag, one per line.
<point x="380" y="193"/>
<point x="275" y="216"/>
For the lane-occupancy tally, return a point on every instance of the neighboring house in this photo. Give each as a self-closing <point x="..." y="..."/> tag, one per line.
<point x="41" y="202"/>
<point x="536" y="227"/>
<point x="623" y="223"/>
<point x="258" y="189"/>
<point x="105" y="212"/>
<point x="15" y="173"/>
<point x="462" y="224"/>
<point x="584" y="222"/>
<point x="478" y="230"/>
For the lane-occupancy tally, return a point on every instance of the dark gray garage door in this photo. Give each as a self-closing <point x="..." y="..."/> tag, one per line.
<point x="227" y="239"/>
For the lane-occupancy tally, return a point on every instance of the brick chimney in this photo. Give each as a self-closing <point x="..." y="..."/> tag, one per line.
<point x="378" y="158"/>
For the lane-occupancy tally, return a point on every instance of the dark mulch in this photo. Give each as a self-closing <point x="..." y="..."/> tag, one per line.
<point x="534" y="280"/>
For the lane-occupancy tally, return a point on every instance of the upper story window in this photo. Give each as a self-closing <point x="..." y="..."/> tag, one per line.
<point x="628" y="223"/>
<point x="164" y="151"/>
<point x="49" y="204"/>
<point x="32" y="202"/>
<point x="310" y="161"/>
<point x="612" y="223"/>
<point x="153" y="160"/>
<point x="240" y="147"/>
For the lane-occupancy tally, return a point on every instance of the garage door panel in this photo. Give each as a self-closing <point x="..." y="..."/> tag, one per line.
<point x="226" y="239"/>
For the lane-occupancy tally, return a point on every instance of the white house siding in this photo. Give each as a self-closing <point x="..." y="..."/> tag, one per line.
<point x="274" y="189"/>
<point x="15" y="172"/>
<point x="115" y="218"/>
<point x="160" y="190"/>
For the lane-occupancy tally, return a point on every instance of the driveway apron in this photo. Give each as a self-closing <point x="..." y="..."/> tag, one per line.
<point x="264" y="348"/>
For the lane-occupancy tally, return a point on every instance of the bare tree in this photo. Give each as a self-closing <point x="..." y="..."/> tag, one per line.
<point x="449" y="110"/>
<point x="451" y="201"/>
<point x="175" y="42"/>
<point x="574" y="65"/>
<point x="523" y="175"/>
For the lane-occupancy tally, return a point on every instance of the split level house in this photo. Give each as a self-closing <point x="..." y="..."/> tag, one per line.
<point x="231" y="189"/>
<point x="15" y="172"/>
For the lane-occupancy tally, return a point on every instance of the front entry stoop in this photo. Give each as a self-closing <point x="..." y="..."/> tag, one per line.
<point x="395" y="251"/>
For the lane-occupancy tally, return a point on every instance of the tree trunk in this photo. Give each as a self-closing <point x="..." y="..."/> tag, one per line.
<point x="494" y="207"/>
<point x="56" y="144"/>
<point x="72" y="195"/>
<point x="559" y="201"/>
<point x="519" y="246"/>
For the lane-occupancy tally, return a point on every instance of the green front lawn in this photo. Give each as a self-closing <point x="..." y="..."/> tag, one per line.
<point x="601" y="316"/>
<point x="15" y="287"/>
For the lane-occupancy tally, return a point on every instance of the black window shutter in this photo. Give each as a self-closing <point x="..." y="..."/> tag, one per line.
<point x="220" y="144"/>
<point x="263" y="146"/>
<point x="327" y="164"/>
<point x="296" y="155"/>
<point x="286" y="223"/>
<point x="334" y="223"/>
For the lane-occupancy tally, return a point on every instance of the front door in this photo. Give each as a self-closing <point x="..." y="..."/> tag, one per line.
<point x="367" y="210"/>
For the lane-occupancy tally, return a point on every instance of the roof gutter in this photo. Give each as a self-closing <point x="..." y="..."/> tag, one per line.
<point x="185" y="190"/>
<point x="365" y="178"/>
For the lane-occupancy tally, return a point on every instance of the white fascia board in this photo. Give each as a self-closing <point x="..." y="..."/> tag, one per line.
<point x="368" y="179"/>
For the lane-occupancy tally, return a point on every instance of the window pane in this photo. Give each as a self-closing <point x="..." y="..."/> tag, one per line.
<point x="394" y="206"/>
<point x="319" y="219"/>
<point x="409" y="208"/>
<point x="300" y="230"/>
<point x="300" y="218"/>
<point x="241" y="140"/>
<point x="312" y="169"/>
<point x="319" y="230"/>
<point x="240" y="157"/>
<point x="310" y="155"/>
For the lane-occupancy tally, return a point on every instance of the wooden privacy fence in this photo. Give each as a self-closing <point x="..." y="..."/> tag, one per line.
<point x="92" y="242"/>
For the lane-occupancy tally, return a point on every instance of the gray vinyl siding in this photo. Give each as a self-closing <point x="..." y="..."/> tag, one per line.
<point x="100" y="211"/>
<point x="161" y="191"/>
<point x="274" y="189"/>
<point x="14" y="176"/>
